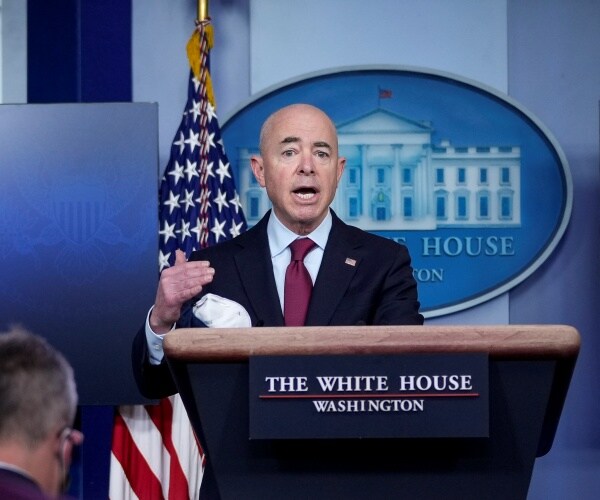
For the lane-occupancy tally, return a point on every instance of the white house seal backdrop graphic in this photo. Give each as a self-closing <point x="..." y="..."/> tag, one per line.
<point x="470" y="181"/>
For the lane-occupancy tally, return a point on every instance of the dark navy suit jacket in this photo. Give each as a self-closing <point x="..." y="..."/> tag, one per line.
<point x="19" y="487"/>
<point x="363" y="280"/>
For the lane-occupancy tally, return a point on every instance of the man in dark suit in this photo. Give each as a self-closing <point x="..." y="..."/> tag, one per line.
<point x="359" y="278"/>
<point x="38" y="400"/>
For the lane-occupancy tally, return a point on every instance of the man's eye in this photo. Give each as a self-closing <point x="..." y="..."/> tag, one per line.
<point x="322" y="154"/>
<point x="288" y="153"/>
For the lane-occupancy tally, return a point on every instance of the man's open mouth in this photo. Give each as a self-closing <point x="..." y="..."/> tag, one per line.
<point x="305" y="193"/>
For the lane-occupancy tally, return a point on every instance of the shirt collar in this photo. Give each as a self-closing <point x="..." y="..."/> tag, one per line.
<point x="280" y="236"/>
<point x="17" y="470"/>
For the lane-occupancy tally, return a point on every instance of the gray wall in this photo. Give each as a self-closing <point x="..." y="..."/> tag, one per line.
<point x="13" y="51"/>
<point x="554" y="70"/>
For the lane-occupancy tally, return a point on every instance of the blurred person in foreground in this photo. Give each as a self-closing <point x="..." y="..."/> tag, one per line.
<point x="38" y="401"/>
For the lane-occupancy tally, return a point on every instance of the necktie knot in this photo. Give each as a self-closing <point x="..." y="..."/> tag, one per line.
<point x="301" y="247"/>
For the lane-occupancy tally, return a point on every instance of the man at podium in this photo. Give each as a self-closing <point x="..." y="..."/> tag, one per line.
<point x="300" y="265"/>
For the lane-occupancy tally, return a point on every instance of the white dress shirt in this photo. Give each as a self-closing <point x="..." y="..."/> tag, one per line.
<point x="280" y="238"/>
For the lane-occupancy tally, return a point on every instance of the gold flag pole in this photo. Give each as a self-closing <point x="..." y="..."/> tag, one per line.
<point x="202" y="10"/>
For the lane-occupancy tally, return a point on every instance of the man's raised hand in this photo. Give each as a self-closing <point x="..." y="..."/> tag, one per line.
<point x="178" y="284"/>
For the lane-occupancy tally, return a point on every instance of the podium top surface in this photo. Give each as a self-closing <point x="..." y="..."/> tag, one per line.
<point x="505" y="341"/>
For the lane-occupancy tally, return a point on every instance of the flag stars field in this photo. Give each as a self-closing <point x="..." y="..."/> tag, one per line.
<point x="199" y="203"/>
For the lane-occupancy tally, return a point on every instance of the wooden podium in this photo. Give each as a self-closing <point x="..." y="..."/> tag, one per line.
<point x="530" y="368"/>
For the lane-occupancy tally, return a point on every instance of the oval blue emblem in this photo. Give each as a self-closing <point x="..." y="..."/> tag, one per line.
<point x="471" y="182"/>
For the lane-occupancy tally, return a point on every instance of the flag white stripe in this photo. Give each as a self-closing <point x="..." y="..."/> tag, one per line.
<point x="186" y="445"/>
<point x="148" y="440"/>
<point x="119" y="488"/>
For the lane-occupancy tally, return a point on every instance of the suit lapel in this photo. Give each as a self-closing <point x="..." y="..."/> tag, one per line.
<point x="339" y="265"/>
<point x="254" y="267"/>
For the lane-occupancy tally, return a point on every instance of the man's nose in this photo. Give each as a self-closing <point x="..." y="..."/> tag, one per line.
<point x="307" y="163"/>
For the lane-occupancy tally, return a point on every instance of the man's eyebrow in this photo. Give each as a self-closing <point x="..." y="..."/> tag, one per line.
<point x="316" y="144"/>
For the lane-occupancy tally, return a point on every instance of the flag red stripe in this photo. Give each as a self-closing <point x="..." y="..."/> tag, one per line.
<point x="162" y="416"/>
<point x="142" y="480"/>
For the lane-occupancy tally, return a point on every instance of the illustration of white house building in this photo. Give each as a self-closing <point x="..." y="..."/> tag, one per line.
<point x="395" y="178"/>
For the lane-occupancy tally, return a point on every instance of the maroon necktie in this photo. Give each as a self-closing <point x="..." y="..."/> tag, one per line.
<point x="298" y="285"/>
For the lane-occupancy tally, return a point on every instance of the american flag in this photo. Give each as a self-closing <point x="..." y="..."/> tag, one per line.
<point x="385" y="93"/>
<point x="199" y="205"/>
<point x="155" y="453"/>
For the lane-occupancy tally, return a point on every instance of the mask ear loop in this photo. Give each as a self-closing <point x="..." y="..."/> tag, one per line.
<point x="64" y="439"/>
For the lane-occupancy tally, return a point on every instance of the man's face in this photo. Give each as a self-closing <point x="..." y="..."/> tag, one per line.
<point x="299" y="166"/>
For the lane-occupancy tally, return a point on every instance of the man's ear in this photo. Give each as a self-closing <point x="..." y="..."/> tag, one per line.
<point x="340" y="167"/>
<point x="256" y="163"/>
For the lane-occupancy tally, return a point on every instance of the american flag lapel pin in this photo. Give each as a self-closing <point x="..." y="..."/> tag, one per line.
<point x="350" y="262"/>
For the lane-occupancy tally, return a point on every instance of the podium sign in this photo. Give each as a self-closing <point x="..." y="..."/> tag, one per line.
<point x="408" y="396"/>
